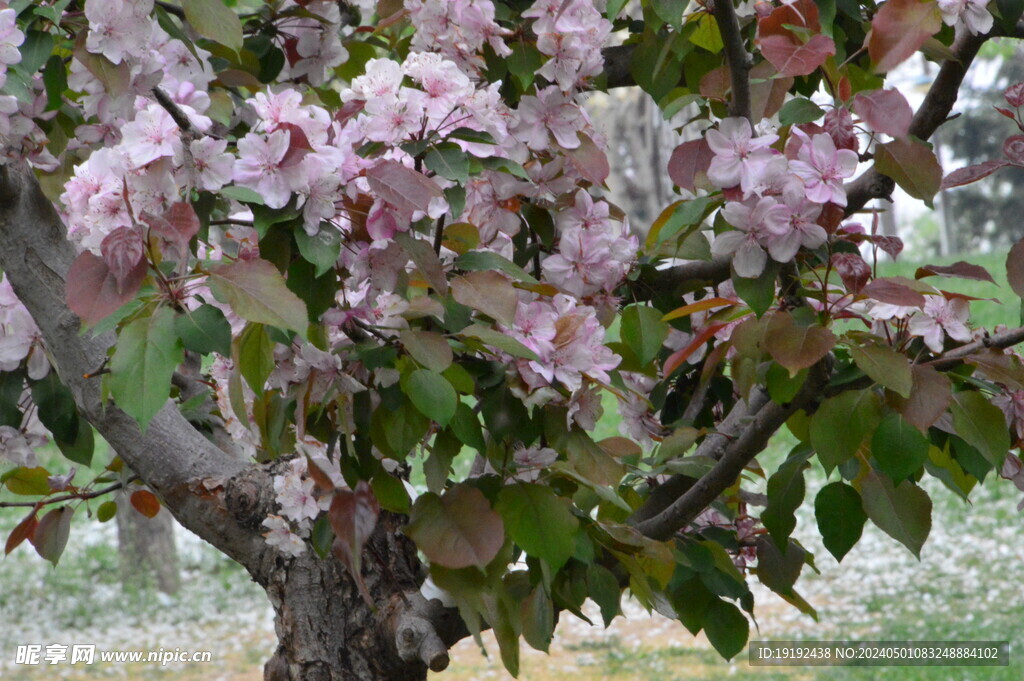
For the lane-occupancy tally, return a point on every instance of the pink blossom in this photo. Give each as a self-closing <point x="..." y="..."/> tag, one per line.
<point x="294" y="492"/>
<point x="803" y="230"/>
<point x="550" y="111"/>
<point x="638" y="423"/>
<point x="757" y="224"/>
<point x="152" y="135"/>
<point x="14" y="447"/>
<point x="941" y="317"/>
<point x="1011" y="402"/>
<point x="259" y="167"/>
<point x="739" y="157"/>
<point x="318" y="42"/>
<point x="973" y="14"/>
<point x="531" y="461"/>
<point x="280" y="536"/>
<point x="10" y="38"/>
<point x="213" y="165"/>
<point x="118" y="28"/>
<point x="822" y="168"/>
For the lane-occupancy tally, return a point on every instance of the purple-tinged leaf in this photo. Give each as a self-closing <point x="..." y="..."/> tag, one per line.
<point x="962" y="176"/>
<point x="885" y="111"/>
<point x="93" y="291"/>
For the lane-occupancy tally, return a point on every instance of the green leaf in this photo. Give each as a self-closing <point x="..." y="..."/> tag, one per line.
<point x="255" y="356"/>
<point x="322" y="249"/>
<point x="432" y="394"/>
<point x="215" y="20"/>
<point x="145" y="357"/>
<point x="524" y="63"/>
<point x="786" y="489"/>
<point x="316" y="291"/>
<point x="777" y="569"/>
<point x="884" y="366"/>
<point x="604" y="590"/>
<point x="899" y="448"/>
<point x="81" y="449"/>
<point x="466" y="427"/>
<point x="405" y="427"/>
<point x="458" y="529"/>
<point x="256" y="292"/>
<point x="643" y="331"/>
<point x="913" y="165"/>
<point x="842" y="423"/>
<point x="106" y="511"/>
<point x="500" y="340"/>
<point x="726" y="628"/>
<point x="57" y="409"/>
<point x="904" y="512"/>
<point x="204" y="330"/>
<point x="390" y="492"/>
<point x="538" y="616"/>
<point x="35" y="51"/>
<point x="449" y="161"/>
<point x="840" y="517"/>
<point x="487" y="260"/>
<point x="539" y="521"/>
<point x="799" y="110"/>
<point x="55" y="81"/>
<point x="981" y="424"/>
<point x="28" y="482"/>
<point x="428" y="348"/>
<point x="758" y="292"/>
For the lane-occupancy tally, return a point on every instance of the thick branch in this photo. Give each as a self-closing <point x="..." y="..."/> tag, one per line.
<point x="171" y="456"/>
<point x="761" y="418"/>
<point x="998" y="341"/>
<point x="736" y="56"/>
<point x="933" y="112"/>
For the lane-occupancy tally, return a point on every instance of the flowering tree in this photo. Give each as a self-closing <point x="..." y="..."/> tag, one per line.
<point x="281" y="255"/>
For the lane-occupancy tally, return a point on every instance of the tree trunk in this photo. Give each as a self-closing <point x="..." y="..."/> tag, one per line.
<point x="326" y="630"/>
<point x="146" y="550"/>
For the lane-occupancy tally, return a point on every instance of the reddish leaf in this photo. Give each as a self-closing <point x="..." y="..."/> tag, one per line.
<point x="93" y="291"/>
<point x="885" y="111"/>
<point x="590" y="162"/>
<point x="891" y="245"/>
<point x="899" y="29"/>
<point x="768" y="90"/>
<point x="1015" y="95"/>
<point x="999" y="366"/>
<point x="784" y="48"/>
<point x="912" y="164"/>
<point x="852" y="270"/>
<point x="890" y="290"/>
<point x="1006" y="112"/>
<point x="1015" y="268"/>
<point x="179" y="223"/>
<point x="688" y="161"/>
<point x="145" y="502"/>
<point x="1013" y="147"/>
<point x="961" y="270"/>
<point x="793" y="345"/>
<point x="122" y="250"/>
<point x="845" y="89"/>
<point x="838" y="124"/>
<point x="795" y="59"/>
<point x="929" y="397"/>
<point x="970" y="174"/>
<point x="353" y="517"/>
<point x="457" y="530"/>
<point x="51" y="535"/>
<point x="256" y="292"/>
<point x="24" y="530"/>
<point x="298" y="145"/>
<point x="402" y="187"/>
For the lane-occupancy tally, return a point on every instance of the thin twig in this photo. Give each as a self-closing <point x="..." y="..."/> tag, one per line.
<point x="736" y="56"/>
<point x="74" y="496"/>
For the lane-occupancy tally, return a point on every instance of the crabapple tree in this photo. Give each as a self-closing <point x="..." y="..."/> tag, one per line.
<point x="285" y="257"/>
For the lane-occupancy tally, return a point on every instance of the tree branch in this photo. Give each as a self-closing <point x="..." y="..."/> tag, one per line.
<point x="998" y="341"/>
<point x="932" y="113"/>
<point x="73" y="496"/>
<point x="736" y="57"/>
<point x="173" y="458"/>
<point x="760" y="418"/>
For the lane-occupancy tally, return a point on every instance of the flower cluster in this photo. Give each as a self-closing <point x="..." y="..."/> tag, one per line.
<point x="572" y="34"/>
<point x="779" y="197"/>
<point x="11" y="37"/>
